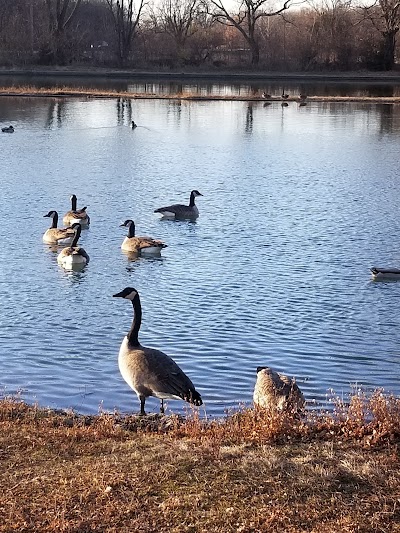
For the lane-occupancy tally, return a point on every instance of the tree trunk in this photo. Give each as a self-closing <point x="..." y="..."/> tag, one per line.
<point x="389" y="46"/>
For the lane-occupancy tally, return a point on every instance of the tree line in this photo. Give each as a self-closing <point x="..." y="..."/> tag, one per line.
<point x="286" y="35"/>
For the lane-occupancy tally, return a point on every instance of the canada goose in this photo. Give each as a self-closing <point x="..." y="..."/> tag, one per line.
<point x="8" y="129"/>
<point x="133" y="124"/>
<point x="276" y="391"/>
<point x="284" y="95"/>
<point x="147" y="371"/>
<point x="179" y="210"/>
<point x="379" y="274"/>
<point x="303" y="96"/>
<point x="56" y="235"/>
<point x="140" y="245"/>
<point x="266" y="95"/>
<point x="73" y="256"/>
<point x="76" y="215"/>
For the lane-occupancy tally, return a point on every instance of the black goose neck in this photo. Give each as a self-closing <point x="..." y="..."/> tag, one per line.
<point x="55" y="220"/>
<point x="76" y="236"/>
<point x="192" y="197"/>
<point x="133" y="335"/>
<point x="131" y="230"/>
<point x="73" y="202"/>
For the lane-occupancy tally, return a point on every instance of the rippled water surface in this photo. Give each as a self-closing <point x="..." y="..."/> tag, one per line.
<point x="298" y="203"/>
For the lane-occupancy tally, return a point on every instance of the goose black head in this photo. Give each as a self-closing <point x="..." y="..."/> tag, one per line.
<point x="196" y="193"/>
<point x="127" y="222"/>
<point x="50" y="214"/>
<point x="259" y="368"/>
<point x="73" y="197"/>
<point x="129" y="293"/>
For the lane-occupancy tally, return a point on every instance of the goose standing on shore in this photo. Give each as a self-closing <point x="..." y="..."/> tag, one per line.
<point x="181" y="211"/>
<point x="140" y="245"/>
<point x="73" y="256"/>
<point x="76" y="215"/>
<point x="56" y="235"/>
<point x="276" y="391"/>
<point x="147" y="371"/>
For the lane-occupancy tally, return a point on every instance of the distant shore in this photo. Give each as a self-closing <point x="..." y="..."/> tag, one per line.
<point x="10" y="87"/>
<point x="229" y="75"/>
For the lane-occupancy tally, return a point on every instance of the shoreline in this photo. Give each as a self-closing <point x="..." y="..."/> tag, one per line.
<point x="68" y="92"/>
<point x="93" y="72"/>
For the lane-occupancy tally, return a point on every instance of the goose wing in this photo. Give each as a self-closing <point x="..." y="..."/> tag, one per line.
<point x="168" y="378"/>
<point x="175" y="208"/>
<point x="148" y="242"/>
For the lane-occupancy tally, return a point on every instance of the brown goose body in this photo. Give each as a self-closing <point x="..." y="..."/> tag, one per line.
<point x="150" y="372"/>
<point x="74" y="255"/>
<point x="76" y="216"/>
<point x="140" y="245"/>
<point x="277" y="391"/>
<point x="55" y="235"/>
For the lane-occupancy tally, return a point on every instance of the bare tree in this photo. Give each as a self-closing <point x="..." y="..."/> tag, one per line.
<point x="61" y="14"/>
<point x="245" y="20"/>
<point x="177" y="19"/>
<point x="385" y="17"/>
<point x="126" y="23"/>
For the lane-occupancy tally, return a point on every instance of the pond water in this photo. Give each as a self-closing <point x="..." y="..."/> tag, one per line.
<point x="298" y="203"/>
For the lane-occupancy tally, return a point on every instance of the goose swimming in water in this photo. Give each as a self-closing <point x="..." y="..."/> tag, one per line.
<point x="276" y="391"/>
<point x="181" y="211"/>
<point x="76" y="215"/>
<point x="140" y="245"/>
<point x="73" y="256"/>
<point x="150" y="372"/>
<point x="56" y="235"/>
<point x="8" y="129"/>
<point x="380" y="274"/>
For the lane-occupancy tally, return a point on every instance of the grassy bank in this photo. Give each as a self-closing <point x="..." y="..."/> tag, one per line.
<point x="249" y="472"/>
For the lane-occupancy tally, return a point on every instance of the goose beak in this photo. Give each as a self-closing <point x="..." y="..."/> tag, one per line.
<point x="118" y="295"/>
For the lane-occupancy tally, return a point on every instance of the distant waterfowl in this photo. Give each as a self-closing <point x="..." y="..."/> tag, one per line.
<point x="133" y="125"/>
<point x="379" y="274"/>
<point x="181" y="211"/>
<point x="140" y="245"/>
<point x="284" y="95"/>
<point x="73" y="256"/>
<point x="276" y="391"/>
<point x="56" y="235"/>
<point x="284" y="104"/>
<point x="303" y="96"/>
<point x="266" y="95"/>
<point x="76" y="215"/>
<point x="150" y="372"/>
<point x="8" y="129"/>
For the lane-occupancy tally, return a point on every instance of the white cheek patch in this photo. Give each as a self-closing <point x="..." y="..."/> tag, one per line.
<point x="131" y="295"/>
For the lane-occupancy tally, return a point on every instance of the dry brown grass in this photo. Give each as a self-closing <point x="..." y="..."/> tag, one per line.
<point x="66" y="91"/>
<point x="248" y="472"/>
